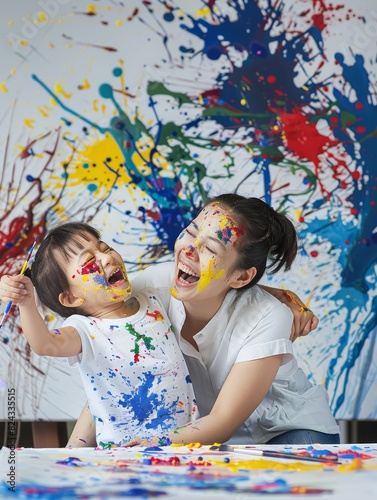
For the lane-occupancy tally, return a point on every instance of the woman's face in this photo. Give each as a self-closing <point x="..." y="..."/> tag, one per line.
<point x="206" y="255"/>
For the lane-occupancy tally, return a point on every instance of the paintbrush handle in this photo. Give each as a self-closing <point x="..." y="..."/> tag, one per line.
<point x="5" y="313"/>
<point x="290" y="456"/>
<point x="275" y="454"/>
<point x="296" y="456"/>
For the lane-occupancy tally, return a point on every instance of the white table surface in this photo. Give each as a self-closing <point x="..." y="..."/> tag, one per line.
<point x="200" y="473"/>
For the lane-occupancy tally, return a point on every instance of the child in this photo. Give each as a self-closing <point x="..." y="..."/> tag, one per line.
<point x="132" y="369"/>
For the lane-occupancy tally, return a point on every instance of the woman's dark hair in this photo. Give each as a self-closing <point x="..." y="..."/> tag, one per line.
<point x="47" y="273"/>
<point x="266" y="235"/>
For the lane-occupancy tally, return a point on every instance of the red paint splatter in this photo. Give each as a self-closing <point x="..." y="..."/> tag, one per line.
<point x="89" y="268"/>
<point x="134" y="13"/>
<point x="304" y="140"/>
<point x="156" y="315"/>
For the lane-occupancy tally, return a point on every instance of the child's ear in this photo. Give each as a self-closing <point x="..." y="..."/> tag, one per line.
<point x="242" y="278"/>
<point x="69" y="300"/>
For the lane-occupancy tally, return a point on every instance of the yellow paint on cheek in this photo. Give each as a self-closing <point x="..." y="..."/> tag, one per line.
<point x="173" y="292"/>
<point x="208" y="275"/>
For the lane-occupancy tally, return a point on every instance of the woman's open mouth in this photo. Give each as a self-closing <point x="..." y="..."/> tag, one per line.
<point x="186" y="275"/>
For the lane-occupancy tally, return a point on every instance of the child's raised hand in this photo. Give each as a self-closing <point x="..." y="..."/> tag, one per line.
<point x="18" y="289"/>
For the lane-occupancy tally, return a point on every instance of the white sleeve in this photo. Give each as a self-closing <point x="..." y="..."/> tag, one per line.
<point x="270" y="336"/>
<point x="155" y="276"/>
<point x="86" y="330"/>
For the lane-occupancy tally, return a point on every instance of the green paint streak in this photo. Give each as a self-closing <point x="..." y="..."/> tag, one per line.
<point x="138" y="336"/>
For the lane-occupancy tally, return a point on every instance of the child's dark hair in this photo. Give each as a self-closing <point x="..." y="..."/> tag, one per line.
<point x="47" y="273"/>
<point x="267" y="235"/>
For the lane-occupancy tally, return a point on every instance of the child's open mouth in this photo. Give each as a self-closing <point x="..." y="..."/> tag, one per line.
<point x="116" y="278"/>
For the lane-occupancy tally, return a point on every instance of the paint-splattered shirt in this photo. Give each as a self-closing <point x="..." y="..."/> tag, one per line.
<point x="249" y="325"/>
<point x="134" y="373"/>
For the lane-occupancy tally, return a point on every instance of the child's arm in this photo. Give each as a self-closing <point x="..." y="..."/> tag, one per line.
<point x="304" y="320"/>
<point x="245" y="387"/>
<point x="64" y="342"/>
<point x="84" y="432"/>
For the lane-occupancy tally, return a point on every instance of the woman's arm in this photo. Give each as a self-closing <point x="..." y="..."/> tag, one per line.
<point x="304" y="320"/>
<point x="84" y="432"/>
<point x="235" y="403"/>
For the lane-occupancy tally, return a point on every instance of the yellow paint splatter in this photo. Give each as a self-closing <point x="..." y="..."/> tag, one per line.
<point x="298" y="214"/>
<point x="207" y="276"/>
<point x="41" y="17"/>
<point x="58" y="89"/>
<point x="85" y="85"/>
<point x="3" y="88"/>
<point x="205" y="11"/>
<point x="90" y="166"/>
<point x="173" y="292"/>
<point x="243" y="102"/>
<point x="91" y="9"/>
<point x="10" y="23"/>
<point x="13" y="71"/>
<point x="145" y="146"/>
<point x="43" y="111"/>
<point x="29" y="122"/>
<point x="119" y="22"/>
<point x="24" y="43"/>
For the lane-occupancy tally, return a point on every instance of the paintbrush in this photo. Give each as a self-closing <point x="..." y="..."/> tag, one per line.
<point x="275" y="454"/>
<point x="23" y="269"/>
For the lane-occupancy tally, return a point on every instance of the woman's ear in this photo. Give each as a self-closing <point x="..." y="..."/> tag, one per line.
<point x="242" y="278"/>
<point x="69" y="300"/>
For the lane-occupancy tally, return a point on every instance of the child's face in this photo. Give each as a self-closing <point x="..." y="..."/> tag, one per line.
<point x="206" y="256"/>
<point x="97" y="275"/>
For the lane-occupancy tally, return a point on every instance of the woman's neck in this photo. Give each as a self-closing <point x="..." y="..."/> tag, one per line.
<point x="198" y="315"/>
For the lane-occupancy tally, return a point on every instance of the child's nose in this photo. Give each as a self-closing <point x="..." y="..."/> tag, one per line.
<point x="104" y="258"/>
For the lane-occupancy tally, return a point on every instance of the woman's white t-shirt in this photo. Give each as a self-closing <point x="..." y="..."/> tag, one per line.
<point x="249" y="325"/>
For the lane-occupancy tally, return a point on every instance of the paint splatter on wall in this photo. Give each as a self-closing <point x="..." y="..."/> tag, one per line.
<point x="126" y="115"/>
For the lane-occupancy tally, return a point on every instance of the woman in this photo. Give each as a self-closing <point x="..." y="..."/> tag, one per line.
<point x="234" y="335"/>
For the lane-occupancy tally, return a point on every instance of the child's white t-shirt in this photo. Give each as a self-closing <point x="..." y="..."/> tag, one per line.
<point x="134" y="373"/>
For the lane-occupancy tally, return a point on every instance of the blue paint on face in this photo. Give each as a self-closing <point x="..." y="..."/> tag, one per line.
<point x="100" y="279"/>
